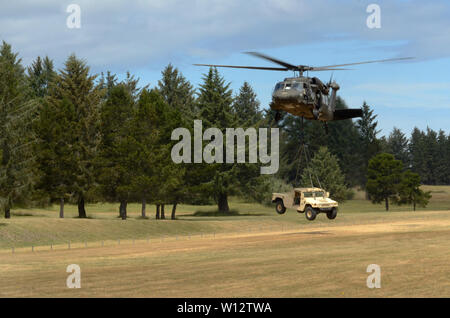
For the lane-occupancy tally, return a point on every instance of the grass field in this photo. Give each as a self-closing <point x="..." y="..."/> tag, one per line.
<point x="256" y="253"/>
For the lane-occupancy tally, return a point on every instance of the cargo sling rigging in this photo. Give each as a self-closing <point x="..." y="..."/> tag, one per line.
<point x="303" y="150"/>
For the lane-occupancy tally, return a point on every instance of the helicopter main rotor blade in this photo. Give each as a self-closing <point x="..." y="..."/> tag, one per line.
<point x="276" y="61"/>
<point x="319" y="68"/>
<point x="329" y="69"/>
<point x="246" y="67"/>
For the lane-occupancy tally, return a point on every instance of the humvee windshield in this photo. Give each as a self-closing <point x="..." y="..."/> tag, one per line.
<point x="312" y="194"/>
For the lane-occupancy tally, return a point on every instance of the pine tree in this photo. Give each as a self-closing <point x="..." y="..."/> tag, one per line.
<point x="246" y="107"/>
<point x="17" y="175"/>
<point x="107" y="82"/>
<point x="177" y="92"/>
<point x="214" y="101"/>
<point x="369" y="144"/>
<point x="416" y="152"/>
<point x="249" y="181"/>
<point x="443" y="159"/>
<point x="383" y="177"/>
<point x="324" y="171"/>
<point x="398" y="146"/>
<point x="40" y="74"/>
<point x="409" y="191"/>
<point x="76" y="87"/>
<point x="431" y="150"/>
<point x="55" y="134"/>
<point x="116" y="170"/>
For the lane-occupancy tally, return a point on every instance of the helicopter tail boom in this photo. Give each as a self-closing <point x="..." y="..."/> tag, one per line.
<point x="341" y="114"/>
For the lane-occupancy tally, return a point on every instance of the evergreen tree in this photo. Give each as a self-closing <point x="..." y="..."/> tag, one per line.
<point x="116" y="148"/>
<point x="398" y="146"/>
<point x="431" y="150"/>
<point x="159" y="179"/>
<point x="145" y="135"/>
<point x="383" y="177"/>
<point x="246" y="107"/>
<point x="409" y="191"/>
<point x="369" y="144"/>
<point x="55" y="135"/>
<point x="249" y="181"/>
<point x="40" y="74"/>
<point x="416" y="152"/>
<point x="324" y="171"/>
<point x="177" y="92"/>
<point x="214" y="101"/>
<point x="17" y="175"/>
<point x="443" y="158"/>
<point x="107" y="82"/>
<point x="75" y="86"/>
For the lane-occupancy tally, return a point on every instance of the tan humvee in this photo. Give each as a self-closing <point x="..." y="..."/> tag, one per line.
<point x="310" y="201"/>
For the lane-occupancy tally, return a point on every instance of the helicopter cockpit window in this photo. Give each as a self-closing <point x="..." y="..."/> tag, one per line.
<point x="279" y="86"/>
<point x="298" y="86"/>
<point x="288" y="86"/>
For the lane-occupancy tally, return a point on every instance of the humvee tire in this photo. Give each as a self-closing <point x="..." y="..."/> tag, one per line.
<point x="332" y="214"/>
<point x="310" y="213"/>
<point x="279" y="207"/>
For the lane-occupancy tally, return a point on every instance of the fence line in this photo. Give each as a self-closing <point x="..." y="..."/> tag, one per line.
<point x="166" y="238"/>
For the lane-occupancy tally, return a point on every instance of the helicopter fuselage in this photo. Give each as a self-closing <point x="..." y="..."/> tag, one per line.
<point x="305" y="97"/>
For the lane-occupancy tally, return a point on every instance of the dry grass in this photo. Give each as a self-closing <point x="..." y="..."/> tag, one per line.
<point x="321" y="259"/>
<point x="253" y="253"/>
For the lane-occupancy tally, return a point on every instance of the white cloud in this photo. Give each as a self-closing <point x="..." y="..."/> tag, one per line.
<point x="133" y="34"/>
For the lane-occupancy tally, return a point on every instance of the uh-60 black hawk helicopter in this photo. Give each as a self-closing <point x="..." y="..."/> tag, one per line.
<point x="305" y="96"/>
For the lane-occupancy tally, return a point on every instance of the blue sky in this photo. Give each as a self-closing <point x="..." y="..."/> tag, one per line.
<point x="144" y="36"/>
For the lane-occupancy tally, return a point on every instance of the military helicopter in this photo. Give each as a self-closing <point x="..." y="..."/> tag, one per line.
<point x="305" y="96"/>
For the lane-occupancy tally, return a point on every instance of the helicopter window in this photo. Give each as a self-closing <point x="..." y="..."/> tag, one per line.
<point x="278" y="86"/>
<point x="288" y="86"/>
<point x="298" y="86"/>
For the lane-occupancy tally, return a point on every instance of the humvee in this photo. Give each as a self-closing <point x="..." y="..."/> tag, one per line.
<point x="310" y="201"/>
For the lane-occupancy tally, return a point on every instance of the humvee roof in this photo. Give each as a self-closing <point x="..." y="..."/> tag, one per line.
<point x="308" y="189"/>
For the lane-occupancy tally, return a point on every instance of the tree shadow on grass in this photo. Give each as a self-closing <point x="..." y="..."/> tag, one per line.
<point x="86" y="218"/>
<point x="3" y="224"/>
<point x="25" y="214"/>
<point x="216" y="213"/>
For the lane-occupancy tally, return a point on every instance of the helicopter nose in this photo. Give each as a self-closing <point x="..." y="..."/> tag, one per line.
<point x="285" y="95"/>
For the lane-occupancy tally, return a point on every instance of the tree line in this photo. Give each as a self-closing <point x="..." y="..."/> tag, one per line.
<point x="354" y="143"/>
<point x="70" y="136"/>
